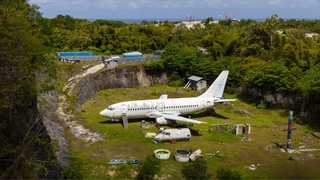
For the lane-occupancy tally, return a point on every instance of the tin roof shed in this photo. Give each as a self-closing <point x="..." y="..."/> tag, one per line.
<point x="195" y="78"/>
<point x="196" y="83"/>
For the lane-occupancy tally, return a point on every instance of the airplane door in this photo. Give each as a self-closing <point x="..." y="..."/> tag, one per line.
<point x="203" y="103"/>
<point x="160" y="106"/>
<point x="124" y="109"/>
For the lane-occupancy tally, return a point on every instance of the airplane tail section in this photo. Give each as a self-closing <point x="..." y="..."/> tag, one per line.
<point x="217" y="87"/>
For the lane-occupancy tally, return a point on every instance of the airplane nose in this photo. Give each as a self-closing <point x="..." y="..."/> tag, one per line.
<point x="104" y="112"/>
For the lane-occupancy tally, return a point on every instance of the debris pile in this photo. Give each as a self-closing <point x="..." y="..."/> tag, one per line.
<point x="251" y="167"/>
<point x="123" y="161"/>
<point x="246" y="139"/>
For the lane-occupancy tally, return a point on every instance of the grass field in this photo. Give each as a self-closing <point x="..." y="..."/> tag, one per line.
<point x="266" y="131"/>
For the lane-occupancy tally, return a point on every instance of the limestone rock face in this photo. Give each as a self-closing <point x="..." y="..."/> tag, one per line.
<point x="123" y="77"/>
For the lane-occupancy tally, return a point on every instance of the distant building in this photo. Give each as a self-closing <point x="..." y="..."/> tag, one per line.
<point x="192" y="24"/>
<point x="73" y="57"/>
<point x="214" y="22"/>
<point x="235" y="20"/>
<point x="196" y="83"/>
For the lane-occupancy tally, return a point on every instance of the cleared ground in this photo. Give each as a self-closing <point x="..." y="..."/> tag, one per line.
<point x="263" y="151"/>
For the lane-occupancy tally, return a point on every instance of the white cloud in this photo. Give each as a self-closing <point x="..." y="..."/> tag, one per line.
<point x="76" y="2"/>
<point x="110" y="4"/>
<point x="134" y="5"/>
<point x="274" y="2"/>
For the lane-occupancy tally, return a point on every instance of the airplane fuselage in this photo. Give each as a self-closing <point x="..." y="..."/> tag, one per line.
<point x="143" y="108"/>
<point x="168" y="110"/>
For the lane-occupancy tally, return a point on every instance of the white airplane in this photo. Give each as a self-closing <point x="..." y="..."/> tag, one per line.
<point x="168" y="110"/>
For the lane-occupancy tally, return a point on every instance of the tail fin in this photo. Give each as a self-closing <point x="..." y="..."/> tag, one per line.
<point x="217" y="87"/>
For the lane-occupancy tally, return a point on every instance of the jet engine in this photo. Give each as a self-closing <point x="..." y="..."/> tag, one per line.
<point x="163" y="121"/>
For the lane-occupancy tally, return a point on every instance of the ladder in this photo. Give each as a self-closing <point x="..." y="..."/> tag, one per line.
<point x="187" y="85"/>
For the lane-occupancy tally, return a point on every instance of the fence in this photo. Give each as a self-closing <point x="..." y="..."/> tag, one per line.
<point x="141" y="59"/>
<point x="120" y="60"/>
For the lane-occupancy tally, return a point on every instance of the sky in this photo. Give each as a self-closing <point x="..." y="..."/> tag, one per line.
<point x="179" y="9"/>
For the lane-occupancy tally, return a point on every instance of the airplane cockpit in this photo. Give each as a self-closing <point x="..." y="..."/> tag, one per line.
<point x="108" y="112"/>
<point x="111" y="108"/>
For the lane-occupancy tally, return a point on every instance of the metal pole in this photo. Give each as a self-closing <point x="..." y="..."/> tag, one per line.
<point x="289" y="131"/>
<point x="140" y="43"/>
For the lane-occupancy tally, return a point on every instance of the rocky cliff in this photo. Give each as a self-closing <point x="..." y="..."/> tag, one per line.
<point x="291" y="101"/>
<point x="126" y="76"/>
<point x="261" y="96"/>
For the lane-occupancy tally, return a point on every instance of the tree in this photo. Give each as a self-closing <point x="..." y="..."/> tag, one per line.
<point x="196" y="170"/>
<point x="207" y="21"/>
<point x="218" y="41"/>
<point x="274" y="77"/>
<point x="25" y="146"/>
<point x="309" y="84"/>
<point x="181" y="61"/>
<point x="272" y="24"/>
<point x="148" y="168"/>
<point x="63" y="22"/>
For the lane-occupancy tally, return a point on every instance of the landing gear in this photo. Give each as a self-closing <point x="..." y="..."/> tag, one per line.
<point x="125" y="121"/>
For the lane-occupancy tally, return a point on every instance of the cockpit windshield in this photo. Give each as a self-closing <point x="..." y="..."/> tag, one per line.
<point x="111" y="108"/>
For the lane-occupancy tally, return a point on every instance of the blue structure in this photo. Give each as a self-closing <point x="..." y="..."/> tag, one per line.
<point x="132" y="55"/>
<point x="78" y="56"/>
<point x="71" y="54"/>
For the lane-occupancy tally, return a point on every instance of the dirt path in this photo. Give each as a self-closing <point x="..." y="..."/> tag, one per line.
<point x="75" y="128"/>
<point x="75" y="79"/>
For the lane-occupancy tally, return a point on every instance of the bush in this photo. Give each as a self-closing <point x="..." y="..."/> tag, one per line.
<point x="148" y="168"/>
<point x="196" y="170"/>
<point x="74" y="171"/>
<point x="154" y="66"/>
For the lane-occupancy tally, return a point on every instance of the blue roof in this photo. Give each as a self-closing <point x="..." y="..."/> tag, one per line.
<point x="68" y="54"/>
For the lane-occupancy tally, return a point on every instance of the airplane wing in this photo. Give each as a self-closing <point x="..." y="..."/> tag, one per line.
<point x="180" y="118"/>
<point x="174" y="116"/>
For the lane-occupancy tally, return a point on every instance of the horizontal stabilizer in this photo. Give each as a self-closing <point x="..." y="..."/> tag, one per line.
<point x="225" y="100"/>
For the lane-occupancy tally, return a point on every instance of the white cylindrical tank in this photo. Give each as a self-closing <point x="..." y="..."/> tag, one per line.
<point x="162" y="153"/>
<point x="182" y="155"/>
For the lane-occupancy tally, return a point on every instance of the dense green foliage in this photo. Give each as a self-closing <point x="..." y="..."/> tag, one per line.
<point x="74" y="171"/>
<point x="195" y="170"/>
<point x="25" y="147"/>
<point x="65" y="33"/>
<point x="149" y="168"/>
